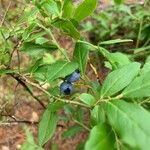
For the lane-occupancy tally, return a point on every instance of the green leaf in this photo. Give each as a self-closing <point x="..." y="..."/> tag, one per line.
<point x="101" y="138"/>
<point x="119" y="59"/>
<point x="84" y="9"/>
<point x="118" y="2"/>
<point x="47" y="126"/>
<point x="119" y="79"/>
<point x="80" y="55"/>
<point x="53" y="107"/>
<point x="7" y="71"/>
<point x="60" y="69"/>
<point x="139" y="87"/>
<point x="141" y="49"/>
<point x="72" y="131"/>
<point x="98" y="114"/>
<point x="87" y="99"/>
<point x="146" y="67"/>
<point x="29" y="144"/>
<point x="51" y="7"/>
<point x="68" y="27"/>
<point x="35" y="49"/>
<point x="68" y="9"/>
<point x="131" y="122"/>
<point x="115" y="41"/>
<point x="116" y="59"/>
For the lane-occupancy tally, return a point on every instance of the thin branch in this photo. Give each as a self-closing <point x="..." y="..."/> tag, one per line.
<point x="5" y="14"/>
<point x="27" y="88"/>
<point x="51" y="96"/>
<point x="82" y="125"/>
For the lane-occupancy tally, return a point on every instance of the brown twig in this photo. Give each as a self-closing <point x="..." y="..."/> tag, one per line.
<point x="16" y="77"/>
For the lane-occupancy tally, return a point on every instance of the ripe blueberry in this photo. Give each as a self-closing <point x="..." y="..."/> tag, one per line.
<point x="75" y="76"/>
<point x="66" y="88"/>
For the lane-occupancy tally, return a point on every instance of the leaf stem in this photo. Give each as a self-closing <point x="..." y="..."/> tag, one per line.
<point x="82" y="125"/>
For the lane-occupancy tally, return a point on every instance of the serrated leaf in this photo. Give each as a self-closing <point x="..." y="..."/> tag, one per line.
<point x="68" y="27"/>
<point x="131" y="122"/>
<point x="101" y="138"/>
<point x="80" y="55"/>
<point x="87" y="99"/>
<point x="119" y="79"/>
<point x="60" y="69"/>
<point x="47" y="126"/>
<point x="140" y="87"/>
<point x="84" y="9"/>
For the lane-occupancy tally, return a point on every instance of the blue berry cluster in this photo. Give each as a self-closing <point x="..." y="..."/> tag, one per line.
<point x="66" y="87"/>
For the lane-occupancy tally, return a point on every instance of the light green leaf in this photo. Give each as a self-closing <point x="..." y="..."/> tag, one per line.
<point x="119" y="59"/>
<point x="101" y="138"/>
<point x="51" y="7"/>
<point x="84" y="9"/>
<point x="119" y="79"/>
<point x="115" y="41"/>
<point x="116" y="59"/>
<point x="60" y="69"/>
<point x="141" y="49"/>
<point x="47" y="126"/>
<point x="41" y="40"/>
<point x="98" y="114"/>
<point x="131" y="122"/>
<point x="87" y="99"/>
<point x="146" y="67"/>
<point x="80" y="55"/>
<point x="29" y="144"/>
<point x="139" y="87"/>
<point x="68" y="27"/>
<point x="35" y="49"/>
<point x="68" y="9"/>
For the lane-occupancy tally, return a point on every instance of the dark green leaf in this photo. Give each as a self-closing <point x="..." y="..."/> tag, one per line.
<point x="118" y="2"/>
<point x="80" y="55"/>
<point x="60" y="69"/>
<point x="72" y="131"/>
<point x="101" y="138"/>
<point x="47" y="126"/>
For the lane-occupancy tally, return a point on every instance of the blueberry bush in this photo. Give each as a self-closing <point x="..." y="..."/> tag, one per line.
<point x="117" y="106"/>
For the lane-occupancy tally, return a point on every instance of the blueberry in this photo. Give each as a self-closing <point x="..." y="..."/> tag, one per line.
<point x="66" y="88"/>
<point x="75" y="76"/>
